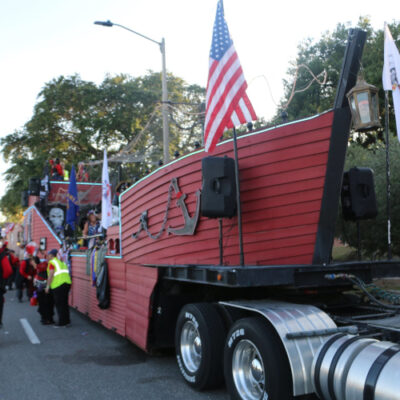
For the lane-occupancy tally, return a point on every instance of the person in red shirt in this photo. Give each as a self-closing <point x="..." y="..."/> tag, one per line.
<point x="14" y="261"/>
<point x="45" y="300"/>
<point x="25" y="276"/>
<point x="5" y="272"/>
<point x="57" y="172"/>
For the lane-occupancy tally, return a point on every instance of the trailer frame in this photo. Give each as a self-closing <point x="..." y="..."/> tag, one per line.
<point x="298" y="276"/>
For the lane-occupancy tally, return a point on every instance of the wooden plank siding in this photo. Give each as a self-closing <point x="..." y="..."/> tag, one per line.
<point x="282" y="175"/>
<point x="131" y="288"/>
<point x="40" y="230"/>
<point x="84" y="294"/>
<point x="140" y="283"/>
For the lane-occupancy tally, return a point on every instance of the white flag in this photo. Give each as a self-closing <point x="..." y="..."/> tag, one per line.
<point x="391" y="74"/>
<point x="106" y="210"/>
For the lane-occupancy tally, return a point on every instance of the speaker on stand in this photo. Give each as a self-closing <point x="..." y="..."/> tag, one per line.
<point x="218" y="193"/>
<point x="358" y="198"/>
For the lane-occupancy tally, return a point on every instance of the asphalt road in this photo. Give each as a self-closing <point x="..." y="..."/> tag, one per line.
<point x="83" y="361"/>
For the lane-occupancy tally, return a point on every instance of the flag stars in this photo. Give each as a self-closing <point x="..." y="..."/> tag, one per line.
<point x="221" y="39"/>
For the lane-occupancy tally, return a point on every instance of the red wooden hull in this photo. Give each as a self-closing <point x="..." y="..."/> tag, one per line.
<point x="83" y="294"/>
<point x="282" y="175"/>
<point x="131" y="290"/>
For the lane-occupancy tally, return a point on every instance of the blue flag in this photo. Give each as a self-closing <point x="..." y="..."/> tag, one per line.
<point x="72" y="206"/>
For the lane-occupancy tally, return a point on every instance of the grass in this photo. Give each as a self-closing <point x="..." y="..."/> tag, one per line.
<point x="344" y="253"/>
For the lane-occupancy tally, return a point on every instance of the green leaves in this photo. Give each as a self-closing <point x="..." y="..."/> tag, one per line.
<point x="75" y="120"/>
<point x="374" y="232"/>
<point x="327" y="54"/>
<point x="365" y="150"/>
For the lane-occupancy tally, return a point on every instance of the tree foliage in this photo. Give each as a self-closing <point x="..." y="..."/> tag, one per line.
<point x="374" y="231"/>
<point x="327" y="54"/>
<point x="75" y="120"/>
<point x="366" y="149"/>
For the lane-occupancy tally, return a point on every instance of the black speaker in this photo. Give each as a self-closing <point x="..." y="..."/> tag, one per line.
<point x="24" y="198"/>
<point x="218" y="193"/>
<point x="358" y="194"/>
<point x="34" y="186"/>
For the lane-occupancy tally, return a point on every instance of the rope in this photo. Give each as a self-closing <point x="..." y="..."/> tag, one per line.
<point x="174" y="108"/>
<point x="315" y="78"/>
<point x="133" y="142"/>
<point x="123" y="154"/>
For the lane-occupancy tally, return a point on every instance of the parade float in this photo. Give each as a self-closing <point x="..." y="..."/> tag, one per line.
<point x="271" y="317"/>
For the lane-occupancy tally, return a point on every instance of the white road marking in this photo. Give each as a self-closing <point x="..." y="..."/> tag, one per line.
<point x="29" y="331"/>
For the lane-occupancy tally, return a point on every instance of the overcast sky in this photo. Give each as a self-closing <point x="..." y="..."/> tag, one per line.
<point x="43" y="39"/>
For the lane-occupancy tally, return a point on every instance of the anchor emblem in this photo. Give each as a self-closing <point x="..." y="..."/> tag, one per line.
<point x="190" y="223"/>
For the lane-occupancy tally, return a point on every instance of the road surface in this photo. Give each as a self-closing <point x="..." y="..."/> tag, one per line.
<point x="83" y="361"/>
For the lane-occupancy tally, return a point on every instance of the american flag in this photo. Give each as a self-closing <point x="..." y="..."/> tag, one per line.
<point x="227" y="104"/>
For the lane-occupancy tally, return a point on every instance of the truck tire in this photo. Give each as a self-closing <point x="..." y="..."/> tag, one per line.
<point x="255" y="363"/>
<point x="199" y="343"/>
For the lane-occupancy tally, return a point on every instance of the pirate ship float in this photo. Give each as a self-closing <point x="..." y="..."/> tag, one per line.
<point x="175" y="275"/>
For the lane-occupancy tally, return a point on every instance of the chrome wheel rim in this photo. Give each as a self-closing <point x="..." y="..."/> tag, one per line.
<point x="248" y="371"/>
<point x="191" y="346"/>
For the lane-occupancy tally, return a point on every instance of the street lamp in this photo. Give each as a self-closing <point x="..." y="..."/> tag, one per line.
<point x="163" y="82"/>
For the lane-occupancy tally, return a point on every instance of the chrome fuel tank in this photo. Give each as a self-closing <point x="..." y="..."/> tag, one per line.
<point x="332" y="363"/>
<point x="349" y="367"/>
<point x="375" y="373"/>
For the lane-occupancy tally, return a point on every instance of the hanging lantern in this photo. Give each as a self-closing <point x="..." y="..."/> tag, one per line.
<point x="364" y="106"/>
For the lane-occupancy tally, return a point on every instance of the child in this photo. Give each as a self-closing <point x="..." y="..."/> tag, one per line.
<point x="45" y="300"/>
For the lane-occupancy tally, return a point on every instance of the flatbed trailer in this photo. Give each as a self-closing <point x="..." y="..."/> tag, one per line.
<point x="286" y="324"/>
<point x="290" y="276"/>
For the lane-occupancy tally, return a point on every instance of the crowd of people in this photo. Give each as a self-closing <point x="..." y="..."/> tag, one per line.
<point x="45" y="281"/>
<point x="43" y="278"/>
<point x="58" y="171"/>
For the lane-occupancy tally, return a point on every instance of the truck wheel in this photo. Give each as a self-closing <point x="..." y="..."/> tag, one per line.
<point x="255" y="363"/>
<point x="199" y="343"/>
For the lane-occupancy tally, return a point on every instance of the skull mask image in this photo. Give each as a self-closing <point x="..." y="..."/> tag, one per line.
<point x="56" y="217"/>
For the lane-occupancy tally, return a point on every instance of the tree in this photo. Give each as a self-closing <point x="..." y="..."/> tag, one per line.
<point x="75" y="120"/>
<point x="365" y="150"/>
<point x="327" y="54"/>
<point x="374" y="232"/>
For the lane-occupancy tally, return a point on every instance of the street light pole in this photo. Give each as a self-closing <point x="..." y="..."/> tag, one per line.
<point x="164" y="105"/>
<point x="164" y="88"/>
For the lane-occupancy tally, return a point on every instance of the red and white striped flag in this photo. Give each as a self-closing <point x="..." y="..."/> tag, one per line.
<point x="227" y="104"/>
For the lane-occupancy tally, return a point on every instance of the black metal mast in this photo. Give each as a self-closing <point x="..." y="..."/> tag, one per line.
<point x="389" y="239"/>
<point x="337" y="148"/>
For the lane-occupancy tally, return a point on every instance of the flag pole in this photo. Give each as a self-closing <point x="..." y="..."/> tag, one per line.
<point x="239" y="209"/>
<point x="388" y="175"/>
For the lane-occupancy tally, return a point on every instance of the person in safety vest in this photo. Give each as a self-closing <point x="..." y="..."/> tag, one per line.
<point x="65" y="171"/>
<point x="59" y="283"/>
